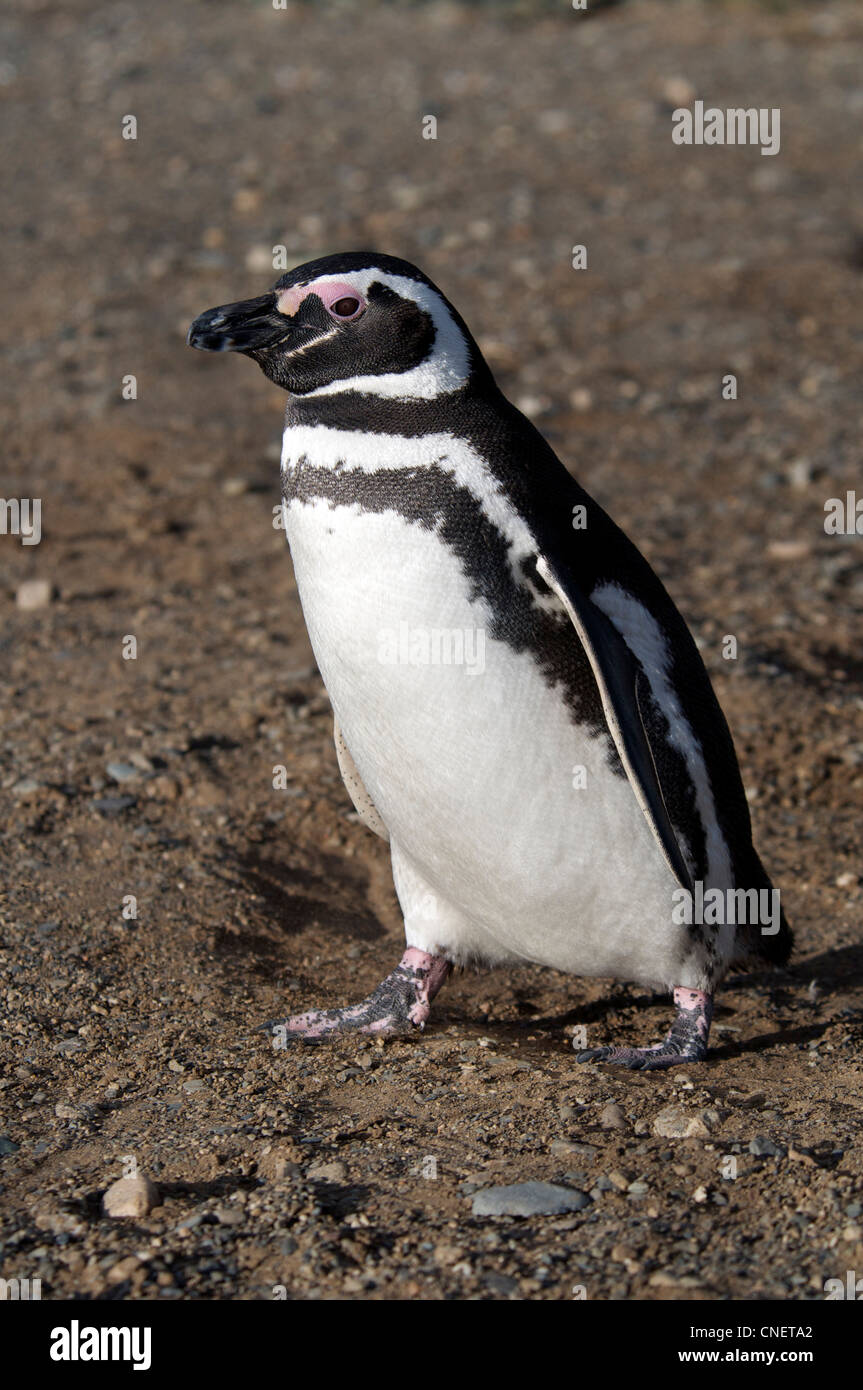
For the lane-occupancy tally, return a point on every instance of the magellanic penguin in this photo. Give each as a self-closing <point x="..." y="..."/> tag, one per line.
<point x="519" y="707"/>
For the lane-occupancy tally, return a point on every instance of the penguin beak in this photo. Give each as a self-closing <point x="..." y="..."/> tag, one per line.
<point x="247" y="326"/>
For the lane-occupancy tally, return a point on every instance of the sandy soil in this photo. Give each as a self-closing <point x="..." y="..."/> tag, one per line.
<point x="349" y="1171"/>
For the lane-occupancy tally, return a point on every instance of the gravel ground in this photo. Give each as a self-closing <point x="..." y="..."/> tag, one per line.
<point x="352" y="1170"/>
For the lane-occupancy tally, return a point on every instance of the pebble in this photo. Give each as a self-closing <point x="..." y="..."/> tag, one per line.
<point x="788" y="550"/>
<point x="123" y="1270"/>
<point x="7" y="1145"/>
<point x="763" y="1147"/>
<point x="328" y="1172"/>
<point x="528" y="1199"/>
<point x="113" y="805"/>
<point x="34" y="593"/>
<point x="122" y="772"/>
<point x="229" y="1216"/>
<point x="678" y="91"/>
<point x="676" y="1122"/>
<point x="131" y="1197"/>
<point x="26" y="787"/>
<point x="64" y="1111"/>
<point x="612" y="1117"/>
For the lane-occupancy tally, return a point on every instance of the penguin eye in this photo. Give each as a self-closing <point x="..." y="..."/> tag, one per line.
<point x="346" y="307"/>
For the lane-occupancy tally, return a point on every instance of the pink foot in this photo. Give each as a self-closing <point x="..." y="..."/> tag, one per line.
<point x="686" y="1041"/>
<point x="399" y="1004"/>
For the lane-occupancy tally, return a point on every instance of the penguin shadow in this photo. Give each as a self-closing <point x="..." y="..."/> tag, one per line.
<point x="282" y="899"/>
<point x="842" y="967"/>
<point x="833" y="969"/>
<point x="591" y="1011"/>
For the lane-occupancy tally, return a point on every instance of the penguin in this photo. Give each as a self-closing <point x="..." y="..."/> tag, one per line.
<point x="520" y="709"/>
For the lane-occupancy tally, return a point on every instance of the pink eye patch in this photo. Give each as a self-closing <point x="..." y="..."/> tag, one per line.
<point x="338" y="297"/>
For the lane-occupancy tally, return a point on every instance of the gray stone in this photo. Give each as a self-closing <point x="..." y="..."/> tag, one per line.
<point x="763" y="1147"/>
<point x="122" y="772"/>
<point x="528" y="1199"/>
<point x="131" y="1197"/>
<point x="113" y="805"/>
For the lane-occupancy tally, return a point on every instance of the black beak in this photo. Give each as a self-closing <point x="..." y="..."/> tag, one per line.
<point x="247" y="326"/>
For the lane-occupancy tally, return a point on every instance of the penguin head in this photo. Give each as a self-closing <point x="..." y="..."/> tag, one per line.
<point x="352" y="322"/>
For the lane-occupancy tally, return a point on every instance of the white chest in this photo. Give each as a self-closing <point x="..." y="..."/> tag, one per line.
<point x="504" y="804"/>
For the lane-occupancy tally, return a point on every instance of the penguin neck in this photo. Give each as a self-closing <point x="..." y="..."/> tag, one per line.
<point x="409" y="416"/>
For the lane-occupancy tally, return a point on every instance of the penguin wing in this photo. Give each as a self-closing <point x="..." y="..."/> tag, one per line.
<point x="365" y="807"/>
<point x="624" y="691"/>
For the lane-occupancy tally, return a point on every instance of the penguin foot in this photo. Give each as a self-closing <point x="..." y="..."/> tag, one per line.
<point x="400" y="1004"/>
<point x="686" y="1041"/>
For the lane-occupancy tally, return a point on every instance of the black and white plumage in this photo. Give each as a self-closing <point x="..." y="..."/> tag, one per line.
<point x="418" y="500"/>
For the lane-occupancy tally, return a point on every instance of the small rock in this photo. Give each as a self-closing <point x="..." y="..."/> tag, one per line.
<point x="678" y="91"/>
<point x="113" y="805"/>
<point x="122" y="772"/>
<point x="800" y="473"/>
<point x="788" y="550"/>
<point x="762" y="1147"/>
<point x="328" y="1172"/>
<point x="700" y="1194"/>
<point x="131" y="1197"/>
<point x="528" y="1199"/>
<point x="27" y="786"/>
<point x="445" y="1254"/>
<point x="229" y="1216"/>
<point x="612" y="1117"/>
<point x="191" y="1086"/>
<point x="34" y="593"/>
<point x="7" y="1145"/>
<point x="502" y="1284"/>
<point x="123" y="1270"/>
<point x="676" y="1122"/>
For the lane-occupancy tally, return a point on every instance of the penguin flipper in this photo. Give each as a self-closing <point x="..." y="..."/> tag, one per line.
<point x="363" y="804"/>
<point x="623" y="688"/>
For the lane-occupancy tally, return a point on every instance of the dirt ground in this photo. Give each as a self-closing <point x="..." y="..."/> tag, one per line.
<point x="349" y="1171"/>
